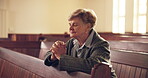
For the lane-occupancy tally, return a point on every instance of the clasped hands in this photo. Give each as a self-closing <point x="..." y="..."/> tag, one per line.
<point x="58" y="49"/>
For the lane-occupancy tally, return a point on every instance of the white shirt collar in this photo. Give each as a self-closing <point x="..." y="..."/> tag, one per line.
<point x="87" y="42"/>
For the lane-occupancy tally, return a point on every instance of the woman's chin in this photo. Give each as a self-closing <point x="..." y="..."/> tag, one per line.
<point x="71" y="35"/>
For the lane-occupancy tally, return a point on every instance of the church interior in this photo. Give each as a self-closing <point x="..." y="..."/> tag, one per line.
<point x="29" y="27"/>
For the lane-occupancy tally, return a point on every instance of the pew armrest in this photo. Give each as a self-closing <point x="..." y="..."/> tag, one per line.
<point x="101" y="70"/>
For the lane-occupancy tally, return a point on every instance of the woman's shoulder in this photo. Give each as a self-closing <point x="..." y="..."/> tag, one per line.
<point x="99" y="41"/>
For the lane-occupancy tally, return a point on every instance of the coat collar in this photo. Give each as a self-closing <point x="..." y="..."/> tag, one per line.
<point x="87" y="42"/>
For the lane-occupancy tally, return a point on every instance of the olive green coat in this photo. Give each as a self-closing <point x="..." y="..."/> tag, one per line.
<point x="97" y="52"/>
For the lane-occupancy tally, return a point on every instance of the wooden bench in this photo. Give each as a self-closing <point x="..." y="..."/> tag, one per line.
<point x="26" y="47"/>
<point x="5" y="39"/>
<point x="17" y="65"/>
<point x="130" y="46"/>
<point x="126" y="65"/>
<point x="64" y="37"/>
<point x="101" y="71"/>
<point x="126" y="37"/>
<point x="35" y="37"/>
<point x="130" y="64"/>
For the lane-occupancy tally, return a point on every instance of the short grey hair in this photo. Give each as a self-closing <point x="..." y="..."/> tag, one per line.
<point x="86" y="15"/>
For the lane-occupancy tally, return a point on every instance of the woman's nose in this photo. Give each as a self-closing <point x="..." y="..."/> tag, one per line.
<point x="71" y="27"/>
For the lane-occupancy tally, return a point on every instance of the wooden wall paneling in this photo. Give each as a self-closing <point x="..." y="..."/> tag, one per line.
<point x="132" y="72"/>
<point x="1" y="63"/>
<point x="144" y="73"/>
<point x="1" y="66"/>
<point x="118" y="70"/>
<point x="127" y="73"/>
<point x="114" y="65"/>
<point x="138" y="71"/>
<point x="123" y="70"/>
<point x="147" y="74"/>
<point x="8" y="70"/>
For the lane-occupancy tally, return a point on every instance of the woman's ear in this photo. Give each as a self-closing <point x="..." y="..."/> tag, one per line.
<point x="89" y="26"/>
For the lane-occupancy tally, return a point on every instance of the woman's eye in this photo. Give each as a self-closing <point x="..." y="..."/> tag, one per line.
<point x="75" y="25"/>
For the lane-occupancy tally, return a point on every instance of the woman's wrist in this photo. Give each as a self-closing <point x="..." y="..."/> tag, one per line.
<point x="53" y="57"/>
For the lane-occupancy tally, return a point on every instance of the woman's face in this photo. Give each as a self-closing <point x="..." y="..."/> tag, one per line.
<point x="78" y="28"/>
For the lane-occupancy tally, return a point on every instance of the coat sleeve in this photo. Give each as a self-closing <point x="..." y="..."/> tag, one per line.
<point x="50" y="62"/>
<point x="54" y="63"/>
<point x="73" y="64"/>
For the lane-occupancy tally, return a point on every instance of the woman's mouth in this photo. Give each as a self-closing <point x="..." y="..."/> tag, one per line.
<point x="72" y="32"/>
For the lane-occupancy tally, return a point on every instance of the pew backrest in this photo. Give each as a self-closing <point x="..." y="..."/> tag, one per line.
<point x="26" y="47"/>
<point x="130" y="64"/>
<point x="5" y="39"/>
<point x="16" y="65"/>
<point x="101" y="70"/>
<point x="129" y="45"/>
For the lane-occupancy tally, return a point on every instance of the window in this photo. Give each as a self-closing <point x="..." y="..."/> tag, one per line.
<point x="140" y="10"/>
<point x="118" y="16"/>
<point x="139" y="16"/>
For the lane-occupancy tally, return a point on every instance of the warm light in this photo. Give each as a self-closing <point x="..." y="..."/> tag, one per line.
<point x="142" y="24"/>
<point x="140" y="9"/>
<point x="118" y="16"/>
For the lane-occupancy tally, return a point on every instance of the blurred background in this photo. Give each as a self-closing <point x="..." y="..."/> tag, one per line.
<point x="50" y="16"/>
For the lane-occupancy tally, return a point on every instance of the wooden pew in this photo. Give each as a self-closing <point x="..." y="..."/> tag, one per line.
<point x="64" y="37"/>
<point x="5" y="39"/>
<point x="129" y="46"/>
<point x="101" y="70"/>
<point x="35" y="37"/>
<point x="26" y="47"/>
<point x="17" y="65"/>
<point x="126" y="65"/>
<point x="126" y="37"/>
<point x="130" y="64"/>
<point x="115" y="45"/>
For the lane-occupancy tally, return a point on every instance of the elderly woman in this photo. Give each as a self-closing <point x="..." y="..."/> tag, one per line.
<point x="85" y="48"/>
